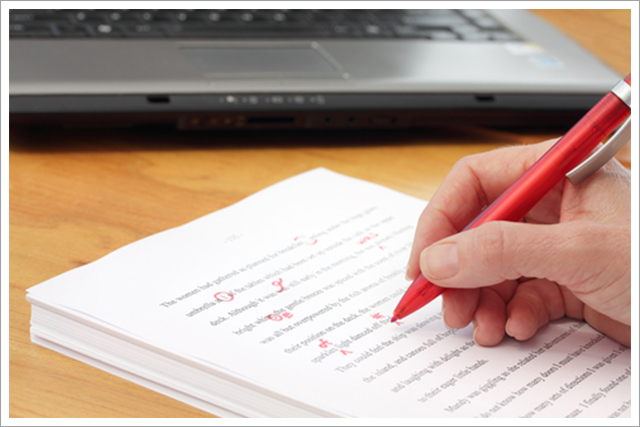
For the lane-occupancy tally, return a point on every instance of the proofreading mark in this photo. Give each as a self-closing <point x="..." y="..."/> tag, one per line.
<point x="278" y="284"/>
<point x="368" y="237"/>
<point x="324" y="343"/>
<point x="223" y="296"/>
<point x="279" y="317"/>
<point x="309" y="243"/>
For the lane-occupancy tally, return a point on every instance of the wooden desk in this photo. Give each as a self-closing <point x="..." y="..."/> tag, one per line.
<point x="78" y="195"/>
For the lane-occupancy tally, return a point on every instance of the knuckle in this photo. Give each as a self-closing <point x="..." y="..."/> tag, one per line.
<point x="466" y="163"/>
<point x="491" y="247"/>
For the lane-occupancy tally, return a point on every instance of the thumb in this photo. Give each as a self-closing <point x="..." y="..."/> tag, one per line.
<point x="578" y="254"/>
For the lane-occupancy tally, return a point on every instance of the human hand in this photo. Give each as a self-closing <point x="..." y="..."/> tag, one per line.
<point x="571" y="255"/>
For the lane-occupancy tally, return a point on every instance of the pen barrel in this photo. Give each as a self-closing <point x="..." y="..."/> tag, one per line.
<point x="560" y="159"/>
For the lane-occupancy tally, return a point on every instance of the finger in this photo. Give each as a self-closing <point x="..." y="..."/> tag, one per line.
<point x="433" y="225"/>
<point x="471" y="185"/>
<point x="459" y="306"/>
<point x="534" y="304"/>
<point x="489" y="319"/>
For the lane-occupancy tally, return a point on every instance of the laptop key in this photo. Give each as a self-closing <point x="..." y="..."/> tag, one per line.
<point x="88" y="17"/>
<point x="374" y="30"/>
<point x="328" y="16"/>
<point x="70" y="30"/>
<point x="218" y="16"/>
<point x="345" y="31"/>
<point x="30" y="29"/>
<point x="142" y="30"/>
<point x="465" y="29"/>
<point x="300" y="16"/>
<point x="255" y="16"/>
<point x="408" y="31"/>
<point x="30" y="16"/>
<point x="105" y="30"/>
<point x="18" y="30"/>
<point x="178" y="16"/>
<point x="487" y="23"/>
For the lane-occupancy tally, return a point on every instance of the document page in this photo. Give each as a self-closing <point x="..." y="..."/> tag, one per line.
<point x="293" y="289"/>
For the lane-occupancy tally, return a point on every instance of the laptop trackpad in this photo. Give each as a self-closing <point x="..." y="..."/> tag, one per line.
<point x="264" y="61"/>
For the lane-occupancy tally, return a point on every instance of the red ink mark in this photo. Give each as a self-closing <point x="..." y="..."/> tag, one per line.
<point x="345" y="352"/>
<point x="377" y="316"/>
<point x="382" y="247"/>
<point x="396" y="321"/>
<point x="304" y="237"/>
<point x="324" y="343"/>
<point x="277" y="317"/>
<point x="278" y="283"/>
<point x="223" y="296"/>
<point x="368" y="237"/>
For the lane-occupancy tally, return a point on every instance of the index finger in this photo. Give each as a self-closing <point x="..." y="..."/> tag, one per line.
<point x="471" y="185"/>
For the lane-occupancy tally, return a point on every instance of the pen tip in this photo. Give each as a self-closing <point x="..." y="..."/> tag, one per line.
<point x="393" y="319"/>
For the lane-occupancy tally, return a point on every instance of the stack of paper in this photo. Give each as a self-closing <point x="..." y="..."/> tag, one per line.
<point x="280" y="305"/>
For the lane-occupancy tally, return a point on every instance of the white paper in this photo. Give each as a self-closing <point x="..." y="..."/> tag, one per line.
<point x="292" y="289"/>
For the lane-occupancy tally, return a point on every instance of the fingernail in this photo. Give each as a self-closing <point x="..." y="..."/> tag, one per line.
<point x="475" y="331"/>
<point x="506" y="328"/>
<point x="442" y="261"/>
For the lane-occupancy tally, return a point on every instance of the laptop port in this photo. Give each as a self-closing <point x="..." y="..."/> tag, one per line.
<point x="485" y="98"/>
<point x="158" y="99"/>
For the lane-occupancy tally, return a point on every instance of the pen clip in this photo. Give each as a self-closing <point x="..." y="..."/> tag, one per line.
<point x="605" y="153"/>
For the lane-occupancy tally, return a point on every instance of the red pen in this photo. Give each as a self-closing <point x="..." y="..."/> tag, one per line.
<point x="563" y="159"/>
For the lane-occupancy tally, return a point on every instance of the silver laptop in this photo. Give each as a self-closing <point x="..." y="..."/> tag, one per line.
<point x="309" y="69"/>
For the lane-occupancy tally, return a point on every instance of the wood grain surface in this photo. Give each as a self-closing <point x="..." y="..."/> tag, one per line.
<point x="76" y="195"/>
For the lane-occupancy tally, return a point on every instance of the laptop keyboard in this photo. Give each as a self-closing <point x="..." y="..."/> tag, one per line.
<point x="431" y="24"/>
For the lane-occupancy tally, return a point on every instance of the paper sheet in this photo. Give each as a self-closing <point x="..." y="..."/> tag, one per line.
<point x="293" y="288"/>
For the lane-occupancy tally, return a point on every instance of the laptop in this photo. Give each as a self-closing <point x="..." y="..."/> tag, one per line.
<point x="302" y="69"/>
